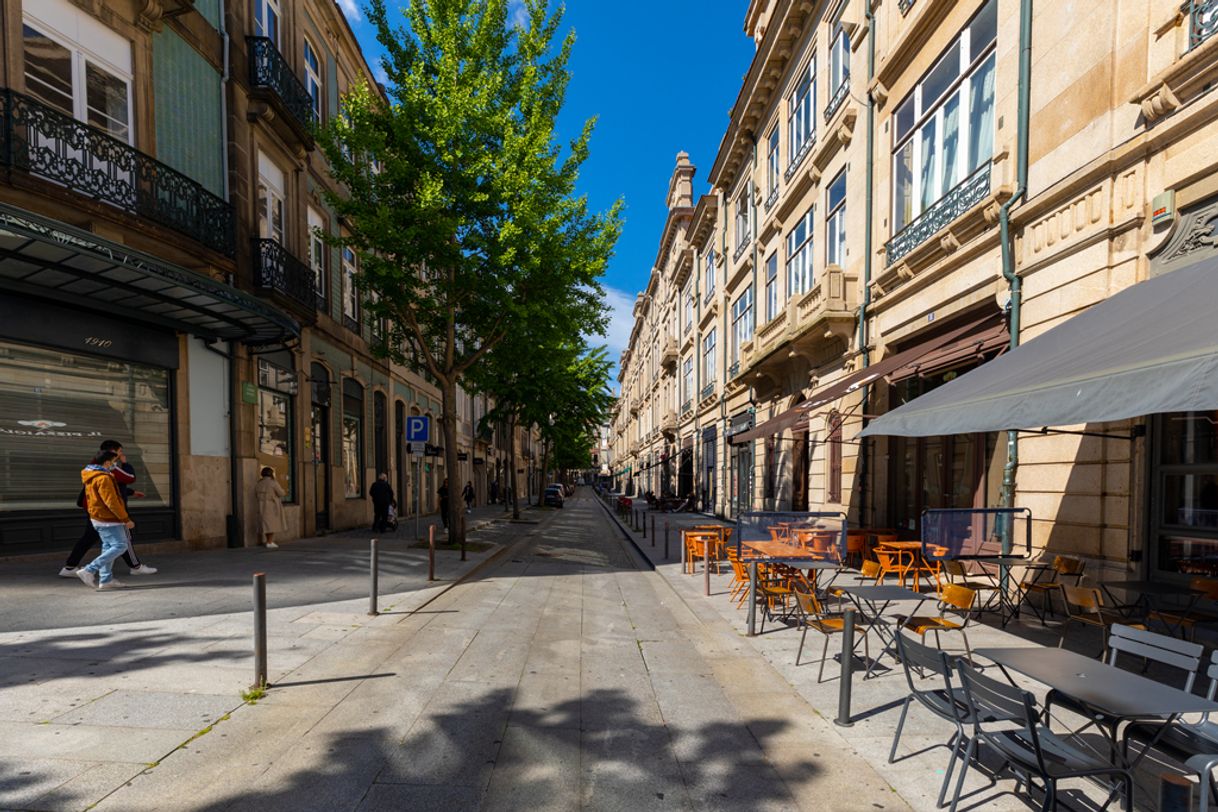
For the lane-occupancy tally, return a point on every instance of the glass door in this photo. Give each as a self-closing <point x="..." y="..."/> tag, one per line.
<point x="1184" y="494"/>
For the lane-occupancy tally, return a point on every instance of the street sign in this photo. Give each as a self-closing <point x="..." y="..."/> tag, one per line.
<point x="417" y="428"/>
<point x="433" y="450"/>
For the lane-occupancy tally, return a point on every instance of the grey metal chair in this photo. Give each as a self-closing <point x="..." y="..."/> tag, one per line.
<point x="1005" y="718"/>
<point x="945" y="701"/>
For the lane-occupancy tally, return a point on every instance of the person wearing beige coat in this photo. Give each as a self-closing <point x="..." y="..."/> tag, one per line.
<point x="269" y="494"/>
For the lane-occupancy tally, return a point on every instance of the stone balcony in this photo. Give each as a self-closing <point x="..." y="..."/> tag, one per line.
<point x="668" y="423"/>
<point x="668" y="353"/>
<point x="810" y="325"/>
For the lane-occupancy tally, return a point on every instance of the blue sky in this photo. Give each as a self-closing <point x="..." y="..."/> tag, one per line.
<point x="660" y="76"/>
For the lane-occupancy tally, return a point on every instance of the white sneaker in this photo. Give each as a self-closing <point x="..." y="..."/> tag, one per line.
<point x="68" y="572"/>
<point x="144" y="569"/>
<point x="270" y="545"/>
<point x="87" y="578"/>
<point x="113" y="583"/>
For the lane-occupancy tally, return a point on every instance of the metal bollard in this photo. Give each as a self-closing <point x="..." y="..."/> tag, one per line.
<point x="752" y="598"/>
<point x="706" y="559"/>
<point x="431" y="553"/>
<point x="653" y="521"/>
<point x="653" y="531"/>
<point x="373" y="568"/>
<point x="847" y="678"/>
<point x="684" y="551"/>
<point x="259" y="630"/>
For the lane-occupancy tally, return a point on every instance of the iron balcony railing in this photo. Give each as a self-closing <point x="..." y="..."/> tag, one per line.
<point x="805" y="150"/>
<point x="53" y="145"/>
<point x="745" y="241"/>
<point x="839" y="96"/>
<point x="1202" y="21"/>
<point x="966" y="194"/>
<point x="733" y="370"/>
<point x="277" y="271"/>
<point x="772" y="198"/>
<point x="708" y="390"/>
<point x="270" y="71"/>
<point x="687" y="406"/>
<point x="905" y="5"/>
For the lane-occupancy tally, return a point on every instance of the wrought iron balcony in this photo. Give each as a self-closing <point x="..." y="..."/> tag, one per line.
<point x="745" y="241"/>
<point x="961" y="198"/>
<point x="51" y="144"/>
<point x="687" y="406"/>
<point x="839" y="96"/>
<point x="772" y="198"/>
<point x="708" y="390"/>
<point x="277" y="271"/>
<point x="798" y="158"/>
<point x="905" y="5"/>
<point x="1202" y="21"/>
<point x="270" y="72"/>
<point x="733" y="370"/>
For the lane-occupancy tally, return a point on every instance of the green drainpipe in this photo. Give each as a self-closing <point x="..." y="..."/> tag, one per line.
<point x="1004" y="225"/>
<point x="864" y="446"/>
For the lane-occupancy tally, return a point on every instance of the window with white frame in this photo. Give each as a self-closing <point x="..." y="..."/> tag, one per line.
<point x="708" y="357"/>
<point x="771" y="164"/>
<point x="350" y="294"/>
<point x="271" y="193"/>
<point x="266" y="19"/>
<point x="944" y="129"/>
<point x="742" y="217"/>
<point x="687" y="379"/>
<point x="799" y="255"/>
<point x="708" y="281"/>
<point x="742" y="322"/>
<point x="689" y="305"/>
<point x="317" y="252"/>
<point x="835" y="223"/>
<point x="77" y="65"/>
<point x="312" y="69"/>
<point x="771" y="286"/>
<point x="800" y="111"/>
<point x="839" y="60"/>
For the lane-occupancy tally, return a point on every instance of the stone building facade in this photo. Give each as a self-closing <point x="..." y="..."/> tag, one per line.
<point x="1107" y="176"/>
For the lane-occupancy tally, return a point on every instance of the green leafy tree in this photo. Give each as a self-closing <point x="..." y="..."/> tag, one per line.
<point x="460" y="201"/>
<point x="577" y="403"/>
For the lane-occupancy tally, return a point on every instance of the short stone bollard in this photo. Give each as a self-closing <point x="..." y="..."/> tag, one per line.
<point x="373" y="568"/>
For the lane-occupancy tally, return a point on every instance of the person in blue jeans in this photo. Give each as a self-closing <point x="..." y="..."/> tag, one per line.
<point x="108" y="513"/>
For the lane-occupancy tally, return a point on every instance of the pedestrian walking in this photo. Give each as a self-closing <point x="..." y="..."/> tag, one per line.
<point x="124" y="476"/>
<point x="468" y="496"/>
<point x="108" y="513"/>
<point x="382" y="498"/>
<point x="269" y="494"/>
<point x="443" y="493"/>
<point x="494" y="491"/>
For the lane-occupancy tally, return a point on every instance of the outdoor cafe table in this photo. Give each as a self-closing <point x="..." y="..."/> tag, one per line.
<point x="1105" y="689"/>
<point x="1147" y="592"/>
<point x="873" y="596"/>
<point x="777" y="552"/>
<point x="1008" y="608"/>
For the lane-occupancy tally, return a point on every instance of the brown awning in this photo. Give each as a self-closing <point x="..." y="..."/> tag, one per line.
<point x="883" y="368"/>
<point x="972" y="347"/>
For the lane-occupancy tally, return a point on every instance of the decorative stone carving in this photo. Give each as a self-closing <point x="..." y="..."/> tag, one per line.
<point x="1195" y="238"/>
<point x="1158" y="103"/>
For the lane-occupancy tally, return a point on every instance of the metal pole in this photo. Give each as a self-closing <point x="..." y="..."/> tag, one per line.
<point x="653" y="520"/>
<point x="259" y="630"/>
<point x="431" y="552"/>
<point x="653" y="531"/>
<point x="707" y="544"/>
<point x="418" y="492"/>
<point x="752" y="598"/>
<point x="684" y="550"/>
<point x="847" y="678"/>
<point x="373" y="567"/>
<point x="665" y="541"/>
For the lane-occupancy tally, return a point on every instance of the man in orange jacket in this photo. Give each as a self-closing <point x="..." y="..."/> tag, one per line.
<point x="108" y="513"/>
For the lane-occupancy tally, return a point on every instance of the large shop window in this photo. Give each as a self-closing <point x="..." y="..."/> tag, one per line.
<point x="277" y="387"/>
<point x="944" y="129"/>
<point x="353" y="438"/>
<point x="1184" y="495"/>
<point x="55" y="410"/>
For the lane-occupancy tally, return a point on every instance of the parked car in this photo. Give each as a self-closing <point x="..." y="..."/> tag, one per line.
<point x="553" y="496"/>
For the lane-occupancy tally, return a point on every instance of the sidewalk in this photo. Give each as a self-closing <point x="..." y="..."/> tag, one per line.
<point x="97" y="687"/>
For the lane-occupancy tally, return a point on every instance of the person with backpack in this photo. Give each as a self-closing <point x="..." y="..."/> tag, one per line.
<point x="124" y="476"/>
<point x="108" y="514"/>
<point x="468" y="496"/>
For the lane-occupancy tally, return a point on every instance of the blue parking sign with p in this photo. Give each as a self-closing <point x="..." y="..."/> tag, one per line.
<point x="417" y="429"/>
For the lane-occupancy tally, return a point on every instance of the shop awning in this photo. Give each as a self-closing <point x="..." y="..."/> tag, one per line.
<point x="903" y="360"/>
<point x="1149" y="349"/>
<point x="49" y="259"/>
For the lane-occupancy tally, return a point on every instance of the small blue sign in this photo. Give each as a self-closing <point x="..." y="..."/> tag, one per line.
<point x="417" y="429"/>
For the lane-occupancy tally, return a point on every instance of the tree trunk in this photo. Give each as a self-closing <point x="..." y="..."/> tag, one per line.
<point x="448" y="419"/>
<point x="512" y="469"/>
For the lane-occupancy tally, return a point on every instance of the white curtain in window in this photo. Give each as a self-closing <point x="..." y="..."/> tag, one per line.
<point x="981" y="116"/>
<point x="930" y="191"/>
<point x="951" y="144"/>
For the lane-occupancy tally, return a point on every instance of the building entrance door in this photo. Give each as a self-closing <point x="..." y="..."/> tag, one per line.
<point x="799" y="472"/>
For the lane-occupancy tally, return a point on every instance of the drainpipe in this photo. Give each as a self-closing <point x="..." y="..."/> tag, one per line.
<point x="868" y="252"/>
<point x="225" y="78"/>
<point x="1014" y="283"/>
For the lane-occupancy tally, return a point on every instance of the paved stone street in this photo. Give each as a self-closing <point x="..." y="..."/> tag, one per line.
<point x="563" y="676"/>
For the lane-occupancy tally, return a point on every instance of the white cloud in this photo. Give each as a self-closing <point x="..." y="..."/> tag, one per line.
<point x="350" y="8"/>
<point x="381" y="75"/>
<point x="621" y="322"/>
<point x="518" y="14"/>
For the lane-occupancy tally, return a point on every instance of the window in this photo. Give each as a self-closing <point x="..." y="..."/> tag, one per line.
<point x="708" y="358"/>
<point x="317" y="253"/>
<point x="380" y="432"/>
<point x="742" y="218"/>
<point x="350" y="294"/>
<point x="266" y="19"/>
<point x="689" y="305"/>
<point x="687" y="380"/>
<point x="277" y="387"/>
<point x="353" y="438"/>
<point x="742" y="322"/>
<point x="835" y="226"/>
<point x="92" y="85"/>
<point x="833" y="485"/>
<point x="802" y="120"/>
<point x="271" y="184"/>
<point x="771" y="165"/>
<point x="839" y="60"/>
<point x="709" y="273"/>
<point x="312" y="66"/>
<point x="799" y="255"/>
<point x="944" y="129"/>
<point x="771" y="287"/>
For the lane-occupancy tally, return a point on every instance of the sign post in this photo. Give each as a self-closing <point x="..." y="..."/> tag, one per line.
<point x="418" y="430"/>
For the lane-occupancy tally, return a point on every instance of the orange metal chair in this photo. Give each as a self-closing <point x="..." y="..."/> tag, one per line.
<point x="1184" y="620"/>
<point x="893" y="562"/>
<point x="812" y="615"/>
<point x="956" y="600"/>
